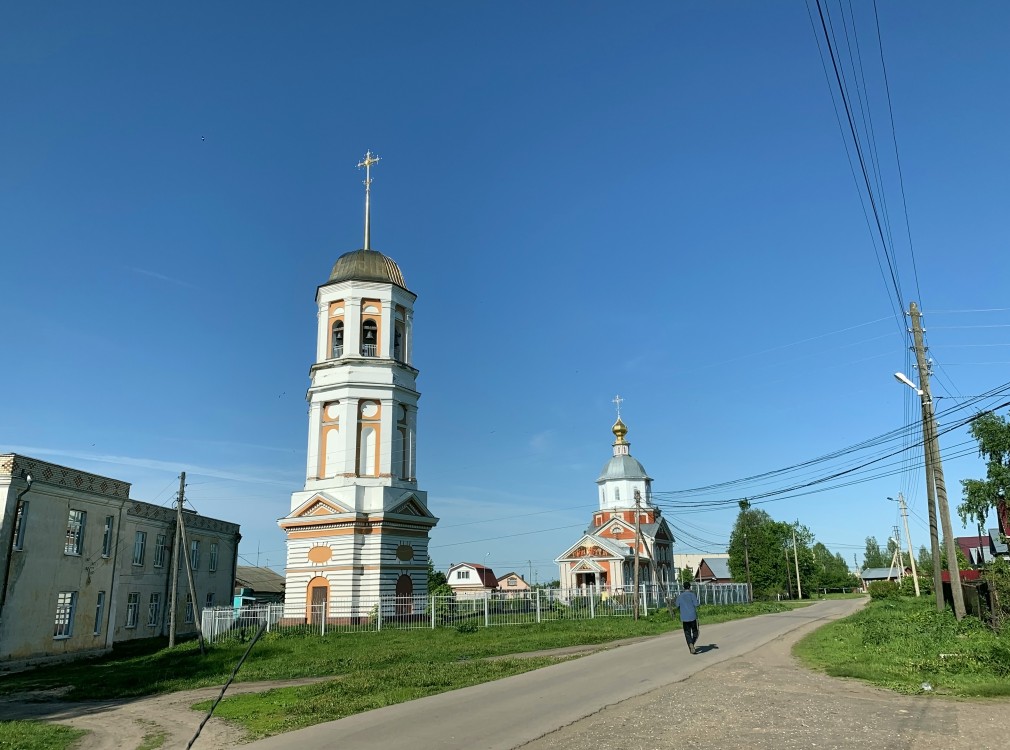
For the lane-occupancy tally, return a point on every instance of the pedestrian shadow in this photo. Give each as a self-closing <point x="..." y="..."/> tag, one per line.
<point x="703" y="649"/>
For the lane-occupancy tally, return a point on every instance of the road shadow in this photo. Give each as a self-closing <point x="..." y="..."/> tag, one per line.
<point x="704" y="649"/>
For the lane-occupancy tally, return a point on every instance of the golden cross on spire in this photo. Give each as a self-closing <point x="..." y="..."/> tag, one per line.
<point x="367" y="163"/>
<point x="618" y="401"/>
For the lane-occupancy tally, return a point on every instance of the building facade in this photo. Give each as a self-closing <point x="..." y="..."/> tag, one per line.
<point x="604" y="558"/>
<point x="359" y="527"/>
<point x="81" y="565"/>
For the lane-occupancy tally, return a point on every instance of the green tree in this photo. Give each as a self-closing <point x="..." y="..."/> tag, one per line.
<point x="686" y="575"/>
<point x="925" y="562"/>
<point x="832" y="570"/>
<point x="992" y="432"/>
<point x="874" y="557"/>
<point x="768" y="543"/>
<point x="962" y="561"/>
<point x="436" y="578"/>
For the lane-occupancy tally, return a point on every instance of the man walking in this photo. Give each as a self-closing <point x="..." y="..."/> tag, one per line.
<point x="687" y="603"/>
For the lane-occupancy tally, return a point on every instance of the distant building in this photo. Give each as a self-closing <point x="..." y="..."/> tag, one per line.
<point x="254" y="585"/>
<point x="893" y="573"/>
<point x="470" y="580"/>
<point x="84" y="566"/>
<point x="512" y="583"/>
<point x="604" y="557"/>
<point x="713" y="570"/>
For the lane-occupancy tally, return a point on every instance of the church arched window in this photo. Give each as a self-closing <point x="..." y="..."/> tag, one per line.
<point x="398" y="342"/>
<point x="337" y="340"/>
<point x="369" y="338"/>
<point x="617" y="494"/>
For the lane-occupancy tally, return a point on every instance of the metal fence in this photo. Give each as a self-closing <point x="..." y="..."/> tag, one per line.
<point x="476" y="611"/>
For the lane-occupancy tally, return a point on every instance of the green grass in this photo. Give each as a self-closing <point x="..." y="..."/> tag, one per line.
<point x="34" y="735"/>
<point x="287" y="709"/>
<point x="278" y="656"/>
<point x="902" y="643"/>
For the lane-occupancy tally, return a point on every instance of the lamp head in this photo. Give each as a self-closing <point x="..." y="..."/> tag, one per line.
<point x="901" y="378"/>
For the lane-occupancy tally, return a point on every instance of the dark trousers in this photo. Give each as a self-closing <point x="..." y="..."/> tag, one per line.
<point x="691" y="631"/>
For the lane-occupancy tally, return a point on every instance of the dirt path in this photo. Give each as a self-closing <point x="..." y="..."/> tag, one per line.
<point x="124" y="724"/>
<point x="766" y="700"/>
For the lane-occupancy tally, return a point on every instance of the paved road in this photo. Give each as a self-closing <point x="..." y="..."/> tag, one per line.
<point x="556" y="702"/>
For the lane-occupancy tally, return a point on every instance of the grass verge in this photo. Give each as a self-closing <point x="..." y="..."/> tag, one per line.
<point x="279" y="656"/>
<point x="35" y="735"/>
<point x="903" y="643"/>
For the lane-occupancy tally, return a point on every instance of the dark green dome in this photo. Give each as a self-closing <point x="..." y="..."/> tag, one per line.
<point x="367" y="265"/>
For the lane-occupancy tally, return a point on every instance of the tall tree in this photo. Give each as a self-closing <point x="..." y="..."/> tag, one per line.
<point x="874" y="557"/>
<point x="925" y="561"/>
<point x="992" y="432"/>
<point x="769" y="546"/>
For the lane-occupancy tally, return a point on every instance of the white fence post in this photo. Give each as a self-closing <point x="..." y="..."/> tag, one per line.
<point x="378" y="616"/>
<point x="322" y="621"/>
<point x="432" y="613"/>
<point x="645" y="601"/>
<point x="487" y="614"/>
<point x="538" y="606"/>
<point x="592" y="605"/>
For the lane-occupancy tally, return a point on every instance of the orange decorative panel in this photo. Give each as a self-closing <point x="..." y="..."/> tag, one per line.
<point x="320" y="554"/>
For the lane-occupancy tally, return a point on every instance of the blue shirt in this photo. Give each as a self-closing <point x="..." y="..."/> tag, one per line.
<point x="687" y="603"/>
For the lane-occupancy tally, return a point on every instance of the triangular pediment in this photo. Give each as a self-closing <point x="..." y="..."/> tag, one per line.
<point x="584" y="548"/>
<point x="587" y="566"/>
<point x="320" y="504"/>
<point x="411" y="506"/>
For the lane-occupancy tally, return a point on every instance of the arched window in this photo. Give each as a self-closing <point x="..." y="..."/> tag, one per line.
<point x="617" y="494"/>
<point x="369" y="338"/>
<point x="337" y="340"/>
<point x="398" y="342"/>
<point x="404" y="595"/>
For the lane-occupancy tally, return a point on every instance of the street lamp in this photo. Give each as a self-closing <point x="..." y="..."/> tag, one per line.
<point x="936" y="491"/>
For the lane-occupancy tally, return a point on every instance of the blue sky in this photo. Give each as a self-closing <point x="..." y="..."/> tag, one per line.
<point x="588" y="200"/>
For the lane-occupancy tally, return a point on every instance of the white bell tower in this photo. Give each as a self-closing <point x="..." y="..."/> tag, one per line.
<point x="359" y="527"/>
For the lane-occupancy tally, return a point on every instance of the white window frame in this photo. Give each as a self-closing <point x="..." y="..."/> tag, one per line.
<point x="110" y="522"/>
<point x="99" y="612"/>
<point x="194" y="554"/>
<point x="132" y="609"/>
<point x="76" y="522"/>
<point x="66" y="603"/>
<point x="209" y="602"/>
<point x="160" y="548"/>
<point x="139" y="547"/>
<point x="189" y="609"/>
<point x="153" y="610"/>
<point x="213" y="557"/>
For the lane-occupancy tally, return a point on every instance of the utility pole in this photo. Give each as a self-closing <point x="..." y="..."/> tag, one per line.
<point x="530" y="563"/>
<point x="789" y="576"/>
<point x="897" y="552"/>
<point x="189" y="576"/>
<point x="934" y="476"/>
<point x="908" y="537"/>
<point x="746" y="562"/>
<point x="173" y="594"/>
<point x="796" y="560"/>
<point x="638" y="541"/>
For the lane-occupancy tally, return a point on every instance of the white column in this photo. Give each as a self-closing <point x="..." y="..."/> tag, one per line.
<point x="322" y="331"/>
<point x="388" y="423"/>
<point x="312" y="461"/>
<point x="388" y="323"/>
<point x="352" y="326"/>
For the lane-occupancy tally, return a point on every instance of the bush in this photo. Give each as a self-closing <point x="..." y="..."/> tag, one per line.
<point x="467" y="627"/>
<point x="884" y="590"/>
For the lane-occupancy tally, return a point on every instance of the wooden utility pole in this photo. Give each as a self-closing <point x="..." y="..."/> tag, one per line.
<point x="173" y="594"/>
<point x="796" y="561"/>
<point x="638" y="541"/>
<point x="189" y="576"/>
<point x="908" y="537"/>
<point x="934" y="472"/>
<point x="789" y="576"/>
<point x="746" y="562"/>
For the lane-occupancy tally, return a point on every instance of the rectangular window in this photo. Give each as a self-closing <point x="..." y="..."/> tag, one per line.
<point x="99" y="612"/>
<point x="139" y="544"/>
<point x="160" y="550"/>
<point x="213" y="556"/>
<point x="75" y="532"/>
<point x="189" y="608"/>
<point x="132" y="609"/>
<point x="66" y="602"/>
<point x="194" y="554"/>
<point x="107" y="536"/>
<point x="154" y="610"/>
<point x="19" y="525"/>
<point x="210" y="600"/>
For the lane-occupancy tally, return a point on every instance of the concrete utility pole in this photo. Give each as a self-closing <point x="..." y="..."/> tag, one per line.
<point x="934" y="474"/>
<point x="908" y="538"/>
<point x="173" y="594"/>
<point x="189" y="576"/>
<point x="796" y="561"/>
<point x="638" y="541"/>
<point x="897" y="552"/>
